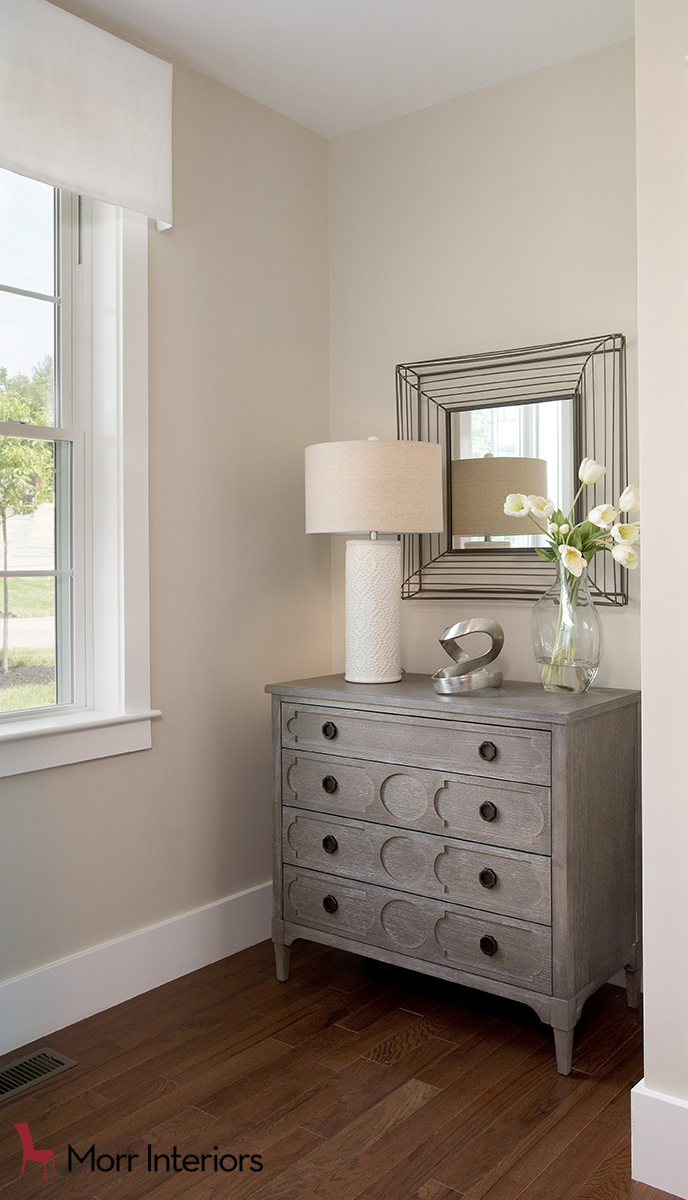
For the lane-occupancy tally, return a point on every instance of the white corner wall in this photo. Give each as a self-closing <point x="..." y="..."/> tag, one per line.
<point x="660" y="1102"/>
<point x="502" y="218"/>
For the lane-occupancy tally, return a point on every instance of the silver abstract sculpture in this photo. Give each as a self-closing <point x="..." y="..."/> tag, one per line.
<point x="469" y="674"/>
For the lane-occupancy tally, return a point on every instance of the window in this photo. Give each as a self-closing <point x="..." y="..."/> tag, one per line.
<point x="36" y="446"/>
<point x="74" y="678"/>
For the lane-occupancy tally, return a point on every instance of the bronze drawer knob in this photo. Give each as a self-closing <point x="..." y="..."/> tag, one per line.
<point x="330" y="904"/>
<point x="330" y="844"/>
<point x="488" y="810"/>
<point x="330" y="785"/>
<point x="487" y="878"/>
<point x="488" y="945"/>
<point x="488" y="751"/>
<point x="329" y="730"/>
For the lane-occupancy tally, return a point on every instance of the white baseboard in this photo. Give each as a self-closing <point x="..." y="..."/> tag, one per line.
<point x="37" y="1003"/>
<point x="659" y="1140"/>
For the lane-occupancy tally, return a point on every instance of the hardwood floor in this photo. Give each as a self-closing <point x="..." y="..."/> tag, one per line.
<point x="352" y="1081"/>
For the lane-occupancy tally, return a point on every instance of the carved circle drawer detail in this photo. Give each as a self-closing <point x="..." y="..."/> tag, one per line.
<point x="404" y="797"/>
<point x="404" y="861"/>
<point x="405" y="924"/>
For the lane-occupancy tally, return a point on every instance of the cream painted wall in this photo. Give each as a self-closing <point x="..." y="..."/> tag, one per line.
<point x="662" y="81"/>
<point x="238" y="386"/>
<point x="503" y="218"/>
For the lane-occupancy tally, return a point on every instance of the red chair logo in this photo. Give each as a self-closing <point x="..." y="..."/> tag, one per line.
<point x="31" y="1154"/>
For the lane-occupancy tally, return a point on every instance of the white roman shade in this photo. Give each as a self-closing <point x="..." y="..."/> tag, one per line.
<point x="83" y="110"/>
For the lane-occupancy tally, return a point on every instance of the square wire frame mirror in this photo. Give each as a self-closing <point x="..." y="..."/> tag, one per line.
<point x="545" y="408"/>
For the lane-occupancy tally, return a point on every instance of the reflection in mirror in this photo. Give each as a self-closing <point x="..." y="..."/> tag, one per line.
<point x="524" y="448"/>
<point x="538" y="410"/>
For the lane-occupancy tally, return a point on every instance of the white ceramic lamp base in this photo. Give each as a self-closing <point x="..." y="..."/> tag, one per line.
<point x="373" y="612"/>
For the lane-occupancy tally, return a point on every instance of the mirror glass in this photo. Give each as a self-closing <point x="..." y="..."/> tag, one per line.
<point x="510" y="448"/>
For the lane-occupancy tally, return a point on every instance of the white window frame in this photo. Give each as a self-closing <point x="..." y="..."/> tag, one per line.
<point x="108" y="323"/>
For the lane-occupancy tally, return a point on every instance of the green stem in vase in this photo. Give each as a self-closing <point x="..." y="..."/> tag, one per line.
<point x="564" y="650"/>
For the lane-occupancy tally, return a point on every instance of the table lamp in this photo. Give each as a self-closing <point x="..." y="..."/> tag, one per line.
<point x="373" y="487"/>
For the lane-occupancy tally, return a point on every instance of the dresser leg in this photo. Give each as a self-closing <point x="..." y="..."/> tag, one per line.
<point x="563" y="1044"/>
<point x="282" y="961"/>
<point x="632" y="987"/>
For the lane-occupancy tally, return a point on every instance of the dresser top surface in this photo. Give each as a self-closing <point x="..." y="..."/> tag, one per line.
<point x="415" y="693"/>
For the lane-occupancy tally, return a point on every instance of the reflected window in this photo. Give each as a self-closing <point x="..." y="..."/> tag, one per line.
<point x="538" y="440"/>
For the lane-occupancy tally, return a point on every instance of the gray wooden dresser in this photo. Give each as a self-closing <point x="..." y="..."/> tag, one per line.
<point x="490" y="839"/>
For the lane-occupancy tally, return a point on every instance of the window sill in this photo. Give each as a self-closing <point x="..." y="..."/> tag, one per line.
<point x="56" y="739"/>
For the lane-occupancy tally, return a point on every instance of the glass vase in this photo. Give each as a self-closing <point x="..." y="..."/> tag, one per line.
<point x="567" y="634"/>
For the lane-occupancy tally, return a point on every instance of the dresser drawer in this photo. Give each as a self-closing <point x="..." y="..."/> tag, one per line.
<point x="498" y="948"/>
<point x="480" y="810"/>
<point x="481" y="877"/>
<point x="491" y="751"/>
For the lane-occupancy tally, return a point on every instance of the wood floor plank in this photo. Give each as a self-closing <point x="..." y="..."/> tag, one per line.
<point x="379" y="1008"/>
<point x="200" y="1048"/>
<point x="371" y="1036"/>
<point x="643" y="1191"/>
<point x="324" y="1162"/>
<point x="454" y="1023"/>
<point x="432" y="1190"/>
<point x="289" y="1075"/>
<point x="397" y="1047"/>
<point x="283" y="1157"/>
<point x="266" y="998"/>
<point x="195" y="1051"/>
<point x="335" y="1007"/>
<point x="489" y="1137"/>
<point x="499" y="1118"/>
<point x="56" y="1187"/>
<point x="495" y="1035"/>
<point x="409" y="1150"/>
<point x="513" y="1176"/>
<point x="363" y="1083"/>
<point x="596" y="1051"/>
<point x="611" y="1180"/>
<point x="583" y="1155"/>
<point x="216" y="1071"/>
<point x="190" y="1130"/>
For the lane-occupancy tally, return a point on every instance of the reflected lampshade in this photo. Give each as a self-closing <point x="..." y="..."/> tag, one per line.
<point x="480" y="487"/>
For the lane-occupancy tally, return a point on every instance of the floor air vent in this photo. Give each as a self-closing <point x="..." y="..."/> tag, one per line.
<point x="34" y="1068"/>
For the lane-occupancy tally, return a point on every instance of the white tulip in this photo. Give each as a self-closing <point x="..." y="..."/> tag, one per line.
<point x="629" y="500"/>
<point x="540" y="507"/>
<point x="602" y="515"/>
<point x="625" y="534"/>
<point x="552" y="528"/>
<point x="564" y="529"/>
<point x="572" y="559"/>
<point x="590" y="471"/>
<point x="516" y="505"/>
<point x="626" y="555"/>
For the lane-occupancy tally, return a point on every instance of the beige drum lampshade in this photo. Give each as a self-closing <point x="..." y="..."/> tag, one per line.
<point x="389" y="487"/>
<point x="480" y="487"/>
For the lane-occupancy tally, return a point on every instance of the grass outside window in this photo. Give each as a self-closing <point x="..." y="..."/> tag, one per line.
<point x="30" y="679"/>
